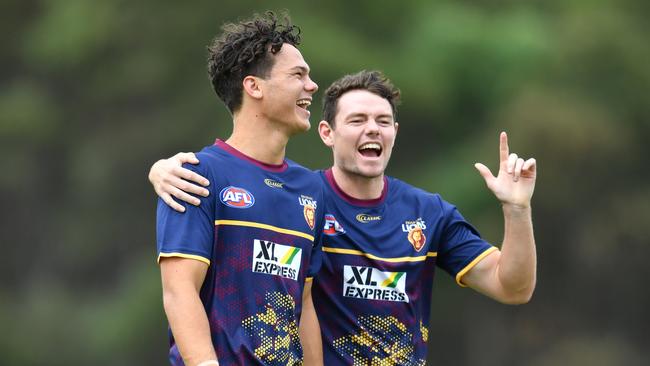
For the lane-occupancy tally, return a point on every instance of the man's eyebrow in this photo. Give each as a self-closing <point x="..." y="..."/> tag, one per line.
<point x="365" y="115"/>
<point x="301" y="68"/>
<point x="356" y="114"/>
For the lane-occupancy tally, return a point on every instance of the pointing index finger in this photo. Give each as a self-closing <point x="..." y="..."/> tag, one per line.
<point x="504" y="151"/>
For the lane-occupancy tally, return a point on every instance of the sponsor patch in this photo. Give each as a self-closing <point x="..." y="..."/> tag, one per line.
<point x="273" y="184"/>
<point x="365" y="218"/>
<point x="276" y="259"/>
<point x="236" y="197"/>
<point x="332" y="226"/>
<point x="372" y="284"/>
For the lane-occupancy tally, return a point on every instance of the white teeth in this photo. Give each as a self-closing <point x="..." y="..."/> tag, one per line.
<point x="370" y="146"/>
<point x="304" y="103"/>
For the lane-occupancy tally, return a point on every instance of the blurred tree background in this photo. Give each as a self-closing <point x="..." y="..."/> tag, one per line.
<point x="93" y="92"/>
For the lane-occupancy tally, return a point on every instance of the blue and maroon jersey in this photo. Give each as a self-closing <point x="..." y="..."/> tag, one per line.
<point x="259" y="232"/>
<point x="373" y="290"/>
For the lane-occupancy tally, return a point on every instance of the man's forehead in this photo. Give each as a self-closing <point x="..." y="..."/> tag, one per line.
<point x="289" y="57"/>
<point x="363" y="102"/>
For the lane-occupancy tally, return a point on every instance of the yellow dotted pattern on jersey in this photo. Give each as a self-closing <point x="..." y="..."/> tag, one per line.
<point x="424" y="332"/>
<point x="380" y="341"/>
<point x="276" y="330"/>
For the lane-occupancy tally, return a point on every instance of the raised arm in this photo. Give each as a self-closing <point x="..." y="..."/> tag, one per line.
<point x="509" y="275"/>
<point x="181" y="282"/>
<point x="170" y="179"/>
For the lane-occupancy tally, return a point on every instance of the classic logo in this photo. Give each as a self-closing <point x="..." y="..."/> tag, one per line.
<point x="272" y="183"/>
<point x="332" y="227"/>
<point x="372" y="284"/>
<point x="365" y="218"/>
<point x="236" y="197"/>
<point x="276" y="259"/>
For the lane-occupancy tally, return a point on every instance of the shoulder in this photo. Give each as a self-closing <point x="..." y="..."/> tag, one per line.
<point x="296" y="170"/>
<point x="211" y="158"/>
<point x="409" y="195"/>
<point x="399" y="188"/>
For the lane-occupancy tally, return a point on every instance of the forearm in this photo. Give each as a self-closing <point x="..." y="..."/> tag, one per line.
<point x="190" y="326"/>
<point x="517" y="268"/>
<point x="309" y="330"/>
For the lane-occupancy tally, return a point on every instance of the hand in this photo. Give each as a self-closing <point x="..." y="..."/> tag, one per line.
<point x="169" y="178"/>
<point x="515" y="183"/>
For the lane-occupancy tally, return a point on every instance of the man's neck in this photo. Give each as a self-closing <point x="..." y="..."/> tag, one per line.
<point x="252" y="136"/>
<point x="358" y="186"/>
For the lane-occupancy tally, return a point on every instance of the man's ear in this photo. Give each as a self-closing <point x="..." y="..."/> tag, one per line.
<point x="396" y="127"/>
<point x="252" y="87"/>
<point x="326" y="133"/>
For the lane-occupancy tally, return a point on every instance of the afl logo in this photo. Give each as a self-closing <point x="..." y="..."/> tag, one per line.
<point x="236" y="197"/>
<point x="332" y="227"/>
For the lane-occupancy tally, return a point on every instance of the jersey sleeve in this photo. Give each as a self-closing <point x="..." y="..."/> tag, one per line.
<point x="461" y="246"/>
<point x="188" y="234"/>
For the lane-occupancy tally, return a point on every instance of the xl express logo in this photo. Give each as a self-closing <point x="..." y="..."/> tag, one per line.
<point x="276" y="259"/>
<point x="372" y="284"/>
<point x="236" y="197"/>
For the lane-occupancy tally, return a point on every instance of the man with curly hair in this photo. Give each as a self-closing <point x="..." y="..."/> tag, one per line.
<point x="234" y="274"/>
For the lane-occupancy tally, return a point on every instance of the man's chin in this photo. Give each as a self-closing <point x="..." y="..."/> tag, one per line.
<point x="371" y="173"/>
<point x="300" y="127"/>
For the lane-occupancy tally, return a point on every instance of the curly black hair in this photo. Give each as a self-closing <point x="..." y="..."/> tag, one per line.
<point x="373" y="81"/>
<point x="244" y="49"/>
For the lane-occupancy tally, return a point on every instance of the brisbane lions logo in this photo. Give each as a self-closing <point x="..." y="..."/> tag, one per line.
<point x="417" y="238"/>
<point x="309" y="212"/>
<point x="236" y="197"/>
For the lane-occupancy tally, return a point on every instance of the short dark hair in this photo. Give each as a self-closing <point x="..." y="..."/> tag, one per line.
<point x="244" y="49"/>
<point x="373" y="81"/>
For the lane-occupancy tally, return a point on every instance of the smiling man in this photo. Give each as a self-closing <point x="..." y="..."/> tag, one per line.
<point x="383" y="238"/>
<point x="234" y="274"/>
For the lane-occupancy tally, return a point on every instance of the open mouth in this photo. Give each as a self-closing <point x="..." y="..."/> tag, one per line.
<point x="303" y="103"/>
<point x="370" y="150"/>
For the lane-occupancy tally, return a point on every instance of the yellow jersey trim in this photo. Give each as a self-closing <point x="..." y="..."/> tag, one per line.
<point x="265" y="226"/>
<point x="183" y="255"/>
<point x="368" y="255"/>
<point x="471" y="265"/>
<point x="309" y="279"/>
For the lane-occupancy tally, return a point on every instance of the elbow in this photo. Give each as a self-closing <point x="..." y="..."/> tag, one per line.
<point x="168" y="300"/>
<point x="519" y="297"/>
<point x="171" y="300"/>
